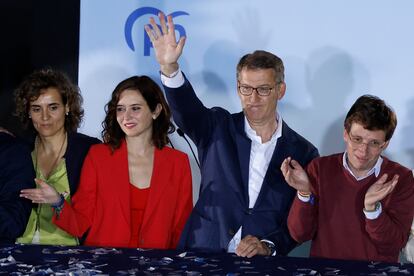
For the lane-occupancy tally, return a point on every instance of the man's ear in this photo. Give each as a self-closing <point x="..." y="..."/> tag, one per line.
<point x="385" y="145"/>
<point x="345" y="135"/>
<point x="281" y="90"/>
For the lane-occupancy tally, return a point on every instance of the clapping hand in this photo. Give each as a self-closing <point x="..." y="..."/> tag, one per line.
<point x="379" y="190"/>
<point x="295" y="175"/>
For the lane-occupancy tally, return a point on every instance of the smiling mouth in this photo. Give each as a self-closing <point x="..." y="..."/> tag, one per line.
<point x="129" y="125"/>
<point x="361" y="159"/>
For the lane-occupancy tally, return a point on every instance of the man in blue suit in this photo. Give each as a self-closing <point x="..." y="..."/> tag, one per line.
<point x="244" y="200"/>
<point x="16" y="173"/>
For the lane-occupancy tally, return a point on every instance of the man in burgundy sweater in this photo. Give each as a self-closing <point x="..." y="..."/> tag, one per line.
<point x="358" y="204"/>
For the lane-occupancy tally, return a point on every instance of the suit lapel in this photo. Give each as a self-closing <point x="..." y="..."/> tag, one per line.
<point x="283" y="149"/>
<point x="243" y="149"/>
<point x="121" y="180"/>
<point x="159" y="181"/>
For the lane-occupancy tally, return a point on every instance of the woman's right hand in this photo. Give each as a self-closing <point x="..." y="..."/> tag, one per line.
<point x="44" y="193"/>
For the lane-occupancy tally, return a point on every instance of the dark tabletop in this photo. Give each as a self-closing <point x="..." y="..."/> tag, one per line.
<point x="20" y="259"/>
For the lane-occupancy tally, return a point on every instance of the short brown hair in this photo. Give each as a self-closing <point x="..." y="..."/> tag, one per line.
<point x="112" y="133"/>
<point x="262" y="60"/>
<point x="373" y="114"/>
<point x="31" y="88"/>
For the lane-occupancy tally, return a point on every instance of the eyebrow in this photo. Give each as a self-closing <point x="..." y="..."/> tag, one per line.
<point x="38" y="105"/>
<point x="135" y="104"/>
<point x="262" y="85"/>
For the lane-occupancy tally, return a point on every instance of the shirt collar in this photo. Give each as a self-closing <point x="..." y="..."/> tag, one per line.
<point x="374" y="170"/>
<point x="251" y="133"/>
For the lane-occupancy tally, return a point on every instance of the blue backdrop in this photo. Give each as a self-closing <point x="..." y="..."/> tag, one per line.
<point x="334" y="51"/>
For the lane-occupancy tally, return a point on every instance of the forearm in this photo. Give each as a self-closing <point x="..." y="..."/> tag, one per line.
<point x="189" y="112"/>
<point x="71" y="221"/>
<point x="13" y="219"/>
<point x="302" y="220"/>
<point x="389" y="231"/>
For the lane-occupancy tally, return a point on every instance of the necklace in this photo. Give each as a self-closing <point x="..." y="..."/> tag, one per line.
<point x="36" y="236"/>
<point x="55" y="162"/>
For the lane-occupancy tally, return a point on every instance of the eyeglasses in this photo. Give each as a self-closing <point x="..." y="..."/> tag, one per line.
<point x="246" y="90"/>
<point x="357" y="141"/>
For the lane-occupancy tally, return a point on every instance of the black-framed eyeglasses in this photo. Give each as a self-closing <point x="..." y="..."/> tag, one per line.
<point x="357" y="141"/>
<point x="247" y="90"/>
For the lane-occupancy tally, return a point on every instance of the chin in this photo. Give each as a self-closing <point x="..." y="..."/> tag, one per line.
<point x="254" y="118"/>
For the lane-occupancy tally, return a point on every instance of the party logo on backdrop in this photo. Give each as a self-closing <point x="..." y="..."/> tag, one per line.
<point x="148" y="11"/>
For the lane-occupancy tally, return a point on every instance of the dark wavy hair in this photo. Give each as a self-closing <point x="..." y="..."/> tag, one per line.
<point x="35" y="84"/>
<point x="262" y="60"/>
<point x="373" y="114"/>
<point x="112" y="133"/>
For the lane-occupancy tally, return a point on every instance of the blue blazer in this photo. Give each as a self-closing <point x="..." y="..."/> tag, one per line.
<point x="16" y="173"/>
<point x="224" y="153"/>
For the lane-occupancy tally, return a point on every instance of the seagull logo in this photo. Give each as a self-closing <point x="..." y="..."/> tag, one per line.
<point x="144" y="11"/>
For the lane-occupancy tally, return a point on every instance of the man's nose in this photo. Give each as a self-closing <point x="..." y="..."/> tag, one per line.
<point x="254" y="97"/>
<point x="363" y="148"/>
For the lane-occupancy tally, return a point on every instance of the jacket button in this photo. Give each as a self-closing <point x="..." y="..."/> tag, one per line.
<point x="231" y="232"/>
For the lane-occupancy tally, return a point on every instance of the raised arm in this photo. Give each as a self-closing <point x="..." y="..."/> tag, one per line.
<point x="302" y="219"/>
<point x="167" y="50"/>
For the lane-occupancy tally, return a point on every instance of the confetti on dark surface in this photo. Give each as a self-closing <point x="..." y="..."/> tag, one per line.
<point x="35" y="260"/>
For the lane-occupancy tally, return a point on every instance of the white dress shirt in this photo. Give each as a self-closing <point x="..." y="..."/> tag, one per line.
<point x="175" y="81"/>
<point x="260" y="156"/>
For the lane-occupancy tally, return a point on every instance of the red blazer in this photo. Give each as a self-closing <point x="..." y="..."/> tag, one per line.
<point x="101" y="204"/>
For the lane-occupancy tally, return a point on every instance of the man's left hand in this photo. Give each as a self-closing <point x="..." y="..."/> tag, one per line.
<point x="379" y="190"/>
<point x="250" y="246"/>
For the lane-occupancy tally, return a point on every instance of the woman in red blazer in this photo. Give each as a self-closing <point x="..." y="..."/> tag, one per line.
<point x="134" y="191"/>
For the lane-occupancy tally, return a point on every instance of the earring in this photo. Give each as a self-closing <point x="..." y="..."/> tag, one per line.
<point x="67" y="113"/>
<point x="30" y="116"/>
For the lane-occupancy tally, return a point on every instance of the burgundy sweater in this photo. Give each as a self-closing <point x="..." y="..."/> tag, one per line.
<point x="335" y="222"/>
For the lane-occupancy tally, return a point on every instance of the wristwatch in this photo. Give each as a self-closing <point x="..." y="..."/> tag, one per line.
<point x="271" y="246"/>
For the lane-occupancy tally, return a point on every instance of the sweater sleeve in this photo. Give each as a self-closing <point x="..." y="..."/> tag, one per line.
<point x="390" y="231"/>
<point x="303" y="216"/>
<point x="302" y="220"/>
